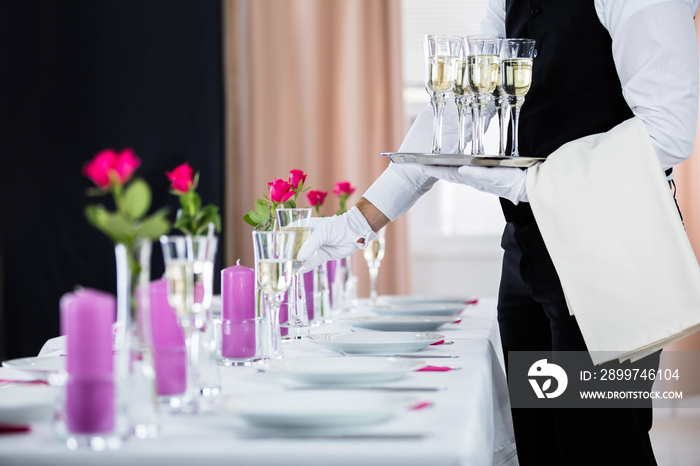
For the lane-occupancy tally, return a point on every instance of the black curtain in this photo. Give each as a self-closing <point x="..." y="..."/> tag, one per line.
<point x="77" y="77"/>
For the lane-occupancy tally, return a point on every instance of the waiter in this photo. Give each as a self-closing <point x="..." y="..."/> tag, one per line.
<point x="597" y="64"/>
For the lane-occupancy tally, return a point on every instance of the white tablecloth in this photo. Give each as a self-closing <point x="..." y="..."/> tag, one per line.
<point x="468" y="423"/>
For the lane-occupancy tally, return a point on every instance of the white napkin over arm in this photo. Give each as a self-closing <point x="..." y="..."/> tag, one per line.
<point x="612" y="229"/>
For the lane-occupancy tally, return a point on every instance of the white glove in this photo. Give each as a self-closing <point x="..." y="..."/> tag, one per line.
<point x="501" y="181"/>
<point x="335" y="238"/>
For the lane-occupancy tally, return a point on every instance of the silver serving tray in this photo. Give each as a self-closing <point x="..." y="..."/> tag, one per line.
<point x="459" y="159"/>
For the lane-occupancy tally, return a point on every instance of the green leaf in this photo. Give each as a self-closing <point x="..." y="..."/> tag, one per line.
<point x="209" y="214"/>
<point x="290" y="204"/>
<point x="248" y="220"/>
<point x="262" y="206"/>
<point x="153" y="227"/>
<point x="96" y="215"/>
<point x="137" y="198"/>
<point x="119" y="228"/>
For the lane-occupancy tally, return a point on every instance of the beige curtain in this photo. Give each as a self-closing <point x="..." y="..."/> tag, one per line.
<point x="312" y="85"/>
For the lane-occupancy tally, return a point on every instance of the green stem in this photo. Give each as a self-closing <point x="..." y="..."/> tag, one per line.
<point x="118" y="199"/>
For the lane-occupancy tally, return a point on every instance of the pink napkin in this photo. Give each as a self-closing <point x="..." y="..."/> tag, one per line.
<point x="441" y="342"/>
<point x="472" y="301"/>
<point x="421" y="405"/>
<point x="435" y="369"/>
<point x="457" y="321"/>
<point x="37" y="382"/>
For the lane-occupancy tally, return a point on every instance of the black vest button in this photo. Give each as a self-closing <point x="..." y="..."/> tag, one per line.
<point x="535" y="11"/>
<point x="534" y="55"/>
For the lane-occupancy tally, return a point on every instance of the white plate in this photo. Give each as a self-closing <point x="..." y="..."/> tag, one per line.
<point x="424" y="299"/>
<point x="315" y="408"/>
<point x="40" y="367"/>
<point x="417" y="309"/>
<point x="399" y="323"/>
<point x="339" y="370"/>
<point x="23" y="403"/>
<point x="375" y="343"/>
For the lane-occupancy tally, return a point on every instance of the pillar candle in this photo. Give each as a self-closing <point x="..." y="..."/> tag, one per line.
<point x="86" y="318"/>
<point x="237" y="312"/>
<point x="169" y="355"/>
<point x="309" y="290"/>
<point x="331" y="266"/>
<point x="284" y="314"/>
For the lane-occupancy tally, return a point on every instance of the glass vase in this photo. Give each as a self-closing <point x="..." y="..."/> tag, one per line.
<point x="349" y="299"/>
<point x="135" y="370"/>
<point x="318" y="294"/>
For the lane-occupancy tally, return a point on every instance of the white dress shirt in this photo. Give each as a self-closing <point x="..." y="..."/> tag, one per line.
<point x="655" y="50"/>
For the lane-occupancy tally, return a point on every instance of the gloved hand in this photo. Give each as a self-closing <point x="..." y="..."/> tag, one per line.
<point x="334" y="238"/>
<point x="501" y="181"/>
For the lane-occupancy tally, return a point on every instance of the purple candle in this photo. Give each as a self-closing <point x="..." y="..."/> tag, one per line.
<point x="237" y="312"/>
<point x="86" y="318"/>
<point x="330" y="266"/>
<point x="169" y="354"/>
<point x="284" y="315"/>
<point x="309" y="289"/>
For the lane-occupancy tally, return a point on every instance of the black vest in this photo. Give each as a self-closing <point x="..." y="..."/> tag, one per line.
<point x="575" y="89"/>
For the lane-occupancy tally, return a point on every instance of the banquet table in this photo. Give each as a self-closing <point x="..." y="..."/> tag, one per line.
<point x="467" y="422"/>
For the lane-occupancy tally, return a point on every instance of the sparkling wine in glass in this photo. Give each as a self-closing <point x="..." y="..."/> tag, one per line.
<point x="274" y="252"/>
<point x="516" y="78"/>
<point x="296" y="220"/>
<point x="441" y="56"/>
<point x="373" y="254"/>
<point x="483" y="64"/>
<point x="179" y="277"/>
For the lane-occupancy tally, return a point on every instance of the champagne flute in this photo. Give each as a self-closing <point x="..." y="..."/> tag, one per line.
<point x="274" y="251"/>
<point x="463" y="94"/>
<point x="374" y="253"/>
<point x="179" y="276"/>
<point x="441" y="54"/>
<point x="202" y="251"/>
<point x="483" y="64"/>
<point x="501" y="101"/>
<point x="296" y="220"/>
<point x="516" y="77"/>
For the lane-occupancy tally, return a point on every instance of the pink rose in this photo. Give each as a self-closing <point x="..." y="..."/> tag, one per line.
<point x="181" y="178"/>
<point x="98" y="168"/>
<point x="108" y="165"/>
<point x="297" y="179"/>
<point x="280" y="191"/>
<point x="343" y="188"/>
<point x="316" y="198"/>
<point x="125" y="165"/>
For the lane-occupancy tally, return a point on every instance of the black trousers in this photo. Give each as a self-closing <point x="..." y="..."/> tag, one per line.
<point x="533" y="316"/>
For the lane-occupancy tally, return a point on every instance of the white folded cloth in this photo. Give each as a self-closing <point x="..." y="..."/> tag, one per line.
<point x="612" y="228"/>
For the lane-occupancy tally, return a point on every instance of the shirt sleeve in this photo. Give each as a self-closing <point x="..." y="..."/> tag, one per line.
<point x="656" y="55"/>
<point x="402" y="184"/>
<point x="494" y="22"/>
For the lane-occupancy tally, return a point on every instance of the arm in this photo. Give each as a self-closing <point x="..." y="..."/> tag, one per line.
<point x="656" y="56"/>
